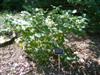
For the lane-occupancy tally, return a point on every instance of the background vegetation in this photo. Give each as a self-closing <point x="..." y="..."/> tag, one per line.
<point x="90" y="7"/>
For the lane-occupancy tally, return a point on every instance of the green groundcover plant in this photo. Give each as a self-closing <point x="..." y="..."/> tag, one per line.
<point x="41" y="32"/>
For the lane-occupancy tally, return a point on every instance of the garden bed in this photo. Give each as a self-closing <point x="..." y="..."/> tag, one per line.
<point x="13" y="60"/>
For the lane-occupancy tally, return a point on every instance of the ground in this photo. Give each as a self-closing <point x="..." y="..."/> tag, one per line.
<point x="88" y="50"/>
<point x="13" y="59"/>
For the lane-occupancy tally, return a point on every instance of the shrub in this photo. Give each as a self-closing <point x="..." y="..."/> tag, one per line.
<point x="91" y="7"/>
<point x="41" y="32"/>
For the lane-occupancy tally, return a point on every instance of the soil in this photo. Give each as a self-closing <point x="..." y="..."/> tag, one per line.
<point x="13" y="59"/>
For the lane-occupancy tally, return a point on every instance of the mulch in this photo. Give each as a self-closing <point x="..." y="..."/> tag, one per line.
<point x="13" y="59"/>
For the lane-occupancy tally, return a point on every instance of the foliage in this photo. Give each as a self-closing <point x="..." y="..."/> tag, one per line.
<point x="41" y="32"/>
<point x="11" y="4"/>
<point x="92" y="9"/>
